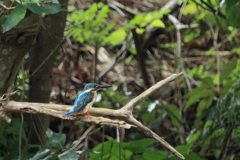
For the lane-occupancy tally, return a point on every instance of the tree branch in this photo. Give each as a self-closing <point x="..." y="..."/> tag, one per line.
<point x="124" y="114"/>
<point x="5" y="7"/>
<point x="58" y="111"/>
<point x="153" y="135"/>
<point x="130" y="105"/>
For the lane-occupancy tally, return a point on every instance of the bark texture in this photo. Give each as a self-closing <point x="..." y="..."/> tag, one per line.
<point x="14" y="45"/>
<point x="42" y="58"/>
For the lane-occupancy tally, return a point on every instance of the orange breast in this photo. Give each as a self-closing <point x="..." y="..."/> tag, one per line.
<point x="87" y="108"/>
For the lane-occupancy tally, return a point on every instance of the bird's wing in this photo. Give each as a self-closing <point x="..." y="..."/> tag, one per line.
<point x="82" y="101"/>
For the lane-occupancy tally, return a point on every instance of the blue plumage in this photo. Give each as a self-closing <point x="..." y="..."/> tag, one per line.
<point x="86" y="99"/>
<point x="81" y="102"/>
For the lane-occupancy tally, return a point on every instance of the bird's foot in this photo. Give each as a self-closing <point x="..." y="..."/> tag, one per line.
<point x="88" y="115"/>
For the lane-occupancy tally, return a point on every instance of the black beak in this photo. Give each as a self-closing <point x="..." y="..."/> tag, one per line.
<point x="103" y="86"/>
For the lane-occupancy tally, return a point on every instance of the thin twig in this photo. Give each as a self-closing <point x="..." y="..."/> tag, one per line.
<point x="20" y="138"/>
<point x="118" y="58"/>
<point x="5" y="7"/>
<point x="57" y="46"/>
<point x="180" y="61"/>
<point x="215" y="38"/>
<point x="124" y="8"/>
<point x="102" y="149"/>
<point x="37" y="133"/>
<point x="225" y="144"/>
<point x="213" y="10"/>
<point x="76" y="145"/>
<point x="7" y="96"/>
<point x="118" y="135"/>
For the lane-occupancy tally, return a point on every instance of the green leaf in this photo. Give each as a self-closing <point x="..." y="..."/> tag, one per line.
<point x="190" y="157"/>
<point x="208" y="82"/>
<point x="3" y="141"/>
<point x="236" y="84"/>
<point x="207" y="129"/>
<point x="57" y="140"/>
<point x="14" y="18"/>
<point x="15" y="127"/>
<point x="174" y="114"/>
<point x="129" y="59"/>
<point x="190" y="9"/>
<point x="157" y="23"/>
<point x="14" y="146"/>
<point x="41" y="154"/>
<point x="116" y="37"/>
<point x="154" y="155"/>
<point x="127" y="154"/>
<point x="232" y="12"/>
<point x="194" y="95"/>
<point x="138" y="144"/>
<point x="157" y="122"/>
<point x="193" y="136"/>
<point x="69" y="154"/>
<point x="140" y="30"/>
<point x="228" y="69"/>
<point x="138" y="157"/>
<point x="35" y="8"/>
<point x="108" y="147"/>
<point x="49" y="133"/>
<point x="148" y="116"/>
<point x="158" y="14"/>
<point x="205" y="103"/>
<point x="184" y="149"/>
<point x="137" y="19"/>
<point x="51" y="156"/>
<point x="148" y="18"/>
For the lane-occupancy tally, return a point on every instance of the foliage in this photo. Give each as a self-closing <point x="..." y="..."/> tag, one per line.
<point x="92" y="26"/>
<point x="19" y="12"/>
<point x="55" y="148"/>
<point x="231" y="12"/>
<point x="14" y="18"/>
<point x="137" y="150"/>
<point x="11" y="138"/>
<point x="220" y="125"/>
<point x="117" y="100"/>
<point x="205" y="92"/>
<point x="203" y="120"/>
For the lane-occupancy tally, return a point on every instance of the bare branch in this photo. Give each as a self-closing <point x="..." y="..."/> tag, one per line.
<point x="130" y="105"/>
<point x="4" y="116"/>
<point x="153" y="135"/>
<point x="5" y="97"/>
<point x="53" y="110"/>
<point x="125" y="113"/>
<point x="76" y="147"/>
<point x="5" y="7"/>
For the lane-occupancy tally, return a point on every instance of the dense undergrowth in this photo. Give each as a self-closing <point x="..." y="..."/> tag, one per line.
<point x="198" y="114"/>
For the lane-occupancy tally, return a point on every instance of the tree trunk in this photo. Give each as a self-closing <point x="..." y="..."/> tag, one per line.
<point x="14" y="44"/>
<point x="42" y="58"/>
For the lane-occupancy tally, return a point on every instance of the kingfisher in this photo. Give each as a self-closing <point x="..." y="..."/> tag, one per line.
<point x="86" y="98"/>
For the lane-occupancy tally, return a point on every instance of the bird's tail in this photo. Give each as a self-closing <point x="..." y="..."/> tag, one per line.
<point x="70" y="112"/>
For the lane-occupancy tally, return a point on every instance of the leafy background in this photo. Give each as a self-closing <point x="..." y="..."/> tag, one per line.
<point x="198" y="114"/>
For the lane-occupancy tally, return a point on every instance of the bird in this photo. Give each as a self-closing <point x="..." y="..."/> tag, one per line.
<point x="86" y="98"/>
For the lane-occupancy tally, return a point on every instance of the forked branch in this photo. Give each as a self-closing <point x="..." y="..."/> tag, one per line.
<point x="125" y="116"/>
